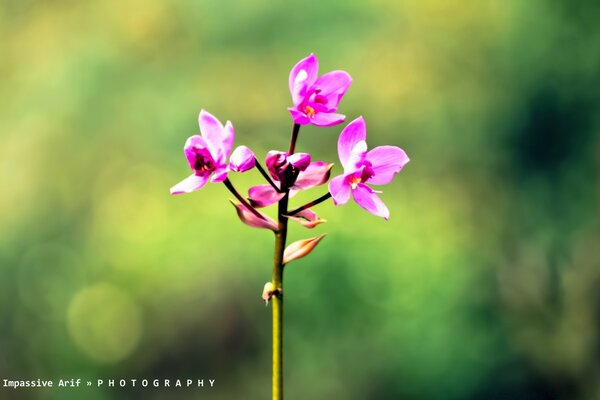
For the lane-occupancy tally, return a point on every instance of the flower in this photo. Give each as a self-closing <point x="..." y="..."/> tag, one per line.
<point x="207" y="153"/>
<point x="316" y="98"/>
<point x="376" y="167"/>
<point x="293" y="172"/>
<point x="242" y="159"/>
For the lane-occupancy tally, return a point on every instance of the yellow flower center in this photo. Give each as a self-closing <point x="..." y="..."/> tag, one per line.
<point x="354" y="181"/>
<point x="309" y="111"/>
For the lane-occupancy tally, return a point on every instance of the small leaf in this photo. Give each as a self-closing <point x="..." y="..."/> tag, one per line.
<point x="300" y="248"/>
<point x="250" y="219"/>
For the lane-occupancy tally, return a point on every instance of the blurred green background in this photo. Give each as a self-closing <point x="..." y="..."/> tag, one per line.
<point x="483" y="284"/>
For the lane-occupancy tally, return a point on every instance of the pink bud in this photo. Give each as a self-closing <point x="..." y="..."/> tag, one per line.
<point x="242" y="159"/>
<point x="300" y="248"/>
<point x="307" y="218"/>
<point x="250" y="219"/>
<point x="300" y="160"/>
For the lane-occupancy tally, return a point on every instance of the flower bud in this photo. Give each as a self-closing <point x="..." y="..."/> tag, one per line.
<point x="307" y="217"/>
<point x="300" y="248"/>
<point x="250" y="219"/>
<point x="242" y="159"/>
<point x="285" y="168"/>
<point x="268" y="292"/>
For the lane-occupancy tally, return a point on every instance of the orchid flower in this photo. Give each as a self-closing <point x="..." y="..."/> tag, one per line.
<point x="289" y="172"/>
<point x="316" y="98"/>
<point x="376" y="167"/>
<point x="207" y="153"/>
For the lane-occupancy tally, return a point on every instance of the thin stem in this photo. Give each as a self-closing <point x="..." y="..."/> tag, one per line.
<point x="242" y="200"/>
<point x="267" y="177"/>
<point x="310" y="204"/>
<point x="277" y="299"/>
<point x="295" y="131"/>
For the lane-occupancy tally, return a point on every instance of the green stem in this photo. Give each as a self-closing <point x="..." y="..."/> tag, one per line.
<point x="267" y="177"/>
<point x="310" y="204"/>
<point x="242" y="200"/>
<point x="277" y="299"/>
<point x="295" y="131"/>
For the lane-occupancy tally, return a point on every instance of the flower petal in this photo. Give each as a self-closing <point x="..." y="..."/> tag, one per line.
<point x="301" y="248"/>
<point x="299" y="117"/>
<point x="353" y="133"/>
<point x="214" y="134"/>
<point x="340" y="190"/>
<point x="242" y="159"/>
<point x="248" y="218"/>
<point x="220" y="174"/>
<point x="357" y="158"/>
<point x="299" y="160"/>
<point x="327" y="119"/>
<point x="307" y="217"/>
<point x="302" y="76"/>
<point x="368" y="199"/>
<point x="228" y="139"/>
<point x="263" y="195"/>
<point x="317" y="173"/>
<point x="333" y="86"/>
<point x="386" y="161"/>
<point x="189" y="184"/>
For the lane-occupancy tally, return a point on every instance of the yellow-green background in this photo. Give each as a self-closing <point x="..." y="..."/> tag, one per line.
<point x="483" y="285"/>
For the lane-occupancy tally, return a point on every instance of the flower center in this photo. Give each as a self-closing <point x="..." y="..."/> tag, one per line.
<point x="354" y="181"/>
<point x="309" y="111"/>
<point x="204" y="163"/>
<point x="364" y="173"/>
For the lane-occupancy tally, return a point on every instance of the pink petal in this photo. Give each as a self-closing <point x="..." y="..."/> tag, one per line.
<point x="220" y="174"/>
<point x="298" y="117"/>
<point x="303" y="76"/>
<point x="214" y="134"/>
<point x="368" y="199"/>
<point x="317" y="173"/>
<point x="307" y="218"/>
<point x="386" y="161"/>
<point x="340" y="190"/>
<point x="353" y="133"/>
<point x="228" y="138"/>
<point x="263" y="195"/>
<point x="327" y="119"/>
<point x="248" y="218"/>
<point x="299" y="160"/>
<point x="242" y="159"/>
<point x="333" y="86"/>
<point x="189" y="184"/>
<point x="357" y="158"/>
<point x="193" y="142"/>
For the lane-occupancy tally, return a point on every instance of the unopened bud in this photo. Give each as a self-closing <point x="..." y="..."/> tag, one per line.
<point x="300" y="249"/>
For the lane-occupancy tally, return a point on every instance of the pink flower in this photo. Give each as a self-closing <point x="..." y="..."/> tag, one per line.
<point x="316" y="98"/>
<point x="207" y="153"/>
<point x="376" y="167"/>
<point x="293" y="172"/>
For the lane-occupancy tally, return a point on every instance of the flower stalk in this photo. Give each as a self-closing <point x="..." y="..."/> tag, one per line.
<point x="277" y="299"/>
<point x="315" y="100"/>
<point x="310" y="204"/>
